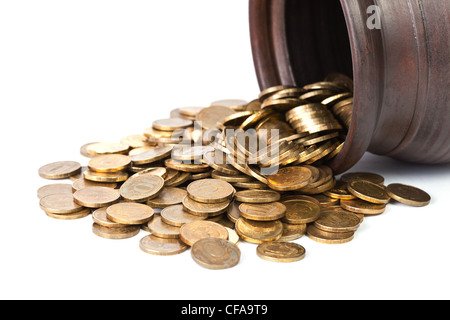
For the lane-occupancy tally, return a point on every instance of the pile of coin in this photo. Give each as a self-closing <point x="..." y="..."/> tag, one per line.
<point x="207" y="178"/>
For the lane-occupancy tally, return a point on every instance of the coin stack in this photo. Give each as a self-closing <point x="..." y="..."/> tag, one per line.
<point x="242" y="182"/>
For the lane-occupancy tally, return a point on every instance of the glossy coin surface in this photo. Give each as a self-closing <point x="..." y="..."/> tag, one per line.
<point x="151" y="155"/>
<point x="142" y="187"/>
<point x="299" y="211"/>
<point x="60" y="170"/>
<point x="96" y="197"/>
<point x="171" y="124"/>
<point x="292" y="232"/>
<point x="105" y="176"/>
<point x="100" y="218"/>
<point x="337" y="221"/>
<point x="191" y="232"/>
<point x="71" y="216"/>
<point x="210" y="191"/>
<point x="101" y="148"/>
<point x="177" y="216"/>
<point x="129" y="213"/>
<point x="109" y="163"/>
<point x="263" y="211"/>
<point x="211" y="116"/>
<point x="161" y="229"/>
<point x="83" y="183"/>
<point x="340" y="191"/>
<point x="161" y="246"/>
<point x="369" y="191"/>
<point x="408" y="195"/>
<point x="290" y="178"/>
<point x="204" y="209"/>
<point x="278" y="251"/>
<point x="215" y="254"/>
<point x="168" y="197"/>
<point x="258" y="231"/>
<point x="257" y="196"/>
<point x="361" y="206"/>
<point x="54" y="189"/>
<point x="322" y="236"/>
<point x="368" y="176"/>
<point x="60" y="204"/>
<point x="124" y="232"/>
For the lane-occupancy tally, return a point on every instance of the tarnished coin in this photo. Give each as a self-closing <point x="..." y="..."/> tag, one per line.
<point x="210" y="191"/>
<point x="60" y="170"/>
<point x="109" y="163"/>
<point x="54" y="189"/>
<point x="263" y="211"/>
<point x="191" y="232"/>
<point x="215" y="254"/>
<point x="71" y="216"/>
<point x="211" y="116"/>
<point x="123" y="232"/>
<point x="292" y="232"/>
<point x="161" y="246"/>
<point x="257" y="196"/>
<point x="83" y="183"/>
<point x="63" y="203"/>
<point x="100" y="218"/>
<point x="105" y="176"/>
<point x="368" y="176"/>
<point x="408" y="195"/>
<point x="258" y="231"/>
<point x="171" y="124"/>
<point x="129" y="213"/>
<point x="152" y="155"/>
<point x="101" y="148"/>
<point x="369" y="191"/>
<point x="142" y="187"/>
<point x="337" y="221"/>
<point x="161" y="229"/>
<point x="204" y="209"/>
<point x="290" y="178"/>
<point x="364" y="207"/>
<point x="177" y="216"/>
<point x="322" y="236"/>
<point x="279" y="251"/>
<point x="96" y="197"/>
<point x="169" y="196"/>
<point x="300" y="211"/>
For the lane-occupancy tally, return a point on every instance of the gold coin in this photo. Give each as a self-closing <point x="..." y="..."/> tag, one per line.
<point x="322" y="236"/>
<point x="254" y="184"/>
<point x="152" y="155"/>
<point x="96" y="197"/>
<point x="364" y="207"/>
<point x="171" y="124"/>
<point x="177" y="216"/>
<point x="161" y="246"/>
<point x="115" y="233"/>
<point x="140" y="150"/>
<point x="219" y="163"/>
<point x="186" y="167"/>
<point x="292" y="232"/>
<point x="290" y="178"/>
<point x="63" y="203"/>
<point x="83" y="150"/>
<point x="100" y="218"/>
<point x="105" y="176"/>
<point x="257" y="196"/>
<point x="215" y="254"/>
<point x="190" y="153"/>
<point x="190" y="112"/>
<point x="233" y="213"/>
<point x="159" y="228"/>
<point x="204" y="209"/>
<point x="279" y="251"/>
<point x="211" y="116"/>
<point x="230" y="178"/>
<point x="71" y="216"/>
<point x="408" y="195"/>
<point x="54" y="189"/>
<point x="142" y="187"/>
<point x="271" y="91"/>
<point x="182" y="178"/>
<point x="135" y="141"/>
<point x="83" y="183"/>
<point x="369" y="191"/>
<point x="129" y="213"/>
<point x="368" y="176"/>
<point x="326" y="201"/>
<point x="340" y="191"/>
<point x="232" y="235"/>
<point x="60" y="170"/>
<point x="258" y="231"/>
<point x="230" y="103"/>
<point x="300" y="211"/>
<point x="78" y="175"/>
<point x="263" y="211"/>
<point x="192" y="232"/>
<point x="210" y="191"/>
<point x="101" y="148"/>
<point x="337" y="221"/>
<point x="169" y="196"/>
<point x="109" y="163"/>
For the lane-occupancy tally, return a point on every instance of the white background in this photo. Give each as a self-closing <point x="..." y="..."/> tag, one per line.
<point x="73" y="72"/>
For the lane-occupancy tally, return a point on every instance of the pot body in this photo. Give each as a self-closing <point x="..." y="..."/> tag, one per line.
<point x="398" y="53"/>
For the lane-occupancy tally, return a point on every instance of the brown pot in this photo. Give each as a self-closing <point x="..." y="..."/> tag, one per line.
<point x="401" y="71"/>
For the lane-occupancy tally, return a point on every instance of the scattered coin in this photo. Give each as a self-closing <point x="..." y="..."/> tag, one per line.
<point x="152" y="155"/>
<point x="257" y="196"/>
<point x="100" y="218"/>
<point x="105" y="176"/>
<point x="364" y="207"/>
<point x="258" y="231"/>
<point x="211" y="116"/>
<point x="408" y="195"/>
<point x="369" y="191"/>
<point x="290" y="178"/>
<point x="96" y="197"/>
<point x="129" y="213"/>
<point x="54" y="189"/>
<point x="115" y="233"/>
<point x="109" y="163"/>
<point x="292" y="232"/>
<point x="337" y="221"/>
<point x="159" y="228"/>
<point x="83" y="183"/>
<point x="142" y="187"/>
<point x="279" y="251"/>
<point x="340" y="191"/>
<point x="60" y="204"/>
<point x="215" y="254"/>
<point x="60" y="170"/>
<point x="101" y="148"/>
<point x="71" y="216"/>
<point x="210" y="191"/>
<point x="368" y="176"/>
<point x="300" y="211"/>
<point x="171" y="124"/>
<point x="193" y="231"/>
<point x="169" y="196"/>
<point x="161" y="246"/>
<point x="322" y="236"/>
<point x="177" y="216"/>
<point x="263" y="211"/>
<point x="204" y="209"/>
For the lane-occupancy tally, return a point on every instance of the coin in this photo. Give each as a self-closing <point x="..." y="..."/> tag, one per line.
<point x="54" y="189"/>
<point x="60" y="170"/>
<point x="215" y="254"/>
<point x="204" y="209"/>
<point x="408" y="195"/>
<point x="337" y="221"/>
<point x="322" y="236"/>
<point x="96" y="197"/>
<point x="364" y="207"/>
<point x="263" y="211"/>
<point x="368" y="176"/>
<point x="326" y="201"/>
<point x="177" y="216"/>
<point x="71" y="216"/>
<point x="179" y="180"/>
<point x="369" y="191"/>
<point x="193" y="231"/>
<point x="257" y="196"/>
<point x="233" y="213"/>
<point x="290" y="178"/>
<point x="230" y="178"/>
<point x="63" y="203"/>
<point x="169" y="196"/>
<point x="100" y="218"/>
<point x="292" y="232"/>
<point x="186" y="167"/>
<point x="159" y="228"/>
<point x="83" y="183"/>
<point x="340" y="191"/>
<point x="279" y="251"/>
<point x="210" y="191"/>
<point x="258" y="231"/>
<point x="211" y="116"/>
<point x="151" y="155"/>
<point x="105" y="176"/>
<point x="101" y="148"/>
<point x="161" y="246"/>
<point x="232" y="235"/>
<point x="301" y="211"/>
<point x="171" y="124"/>
<point x="129" y="213"/>
<point x="109" y="163"/>
<point x="135" y="141"/>
<point x="115" y="233"/>
<point x="142" y="187"/>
